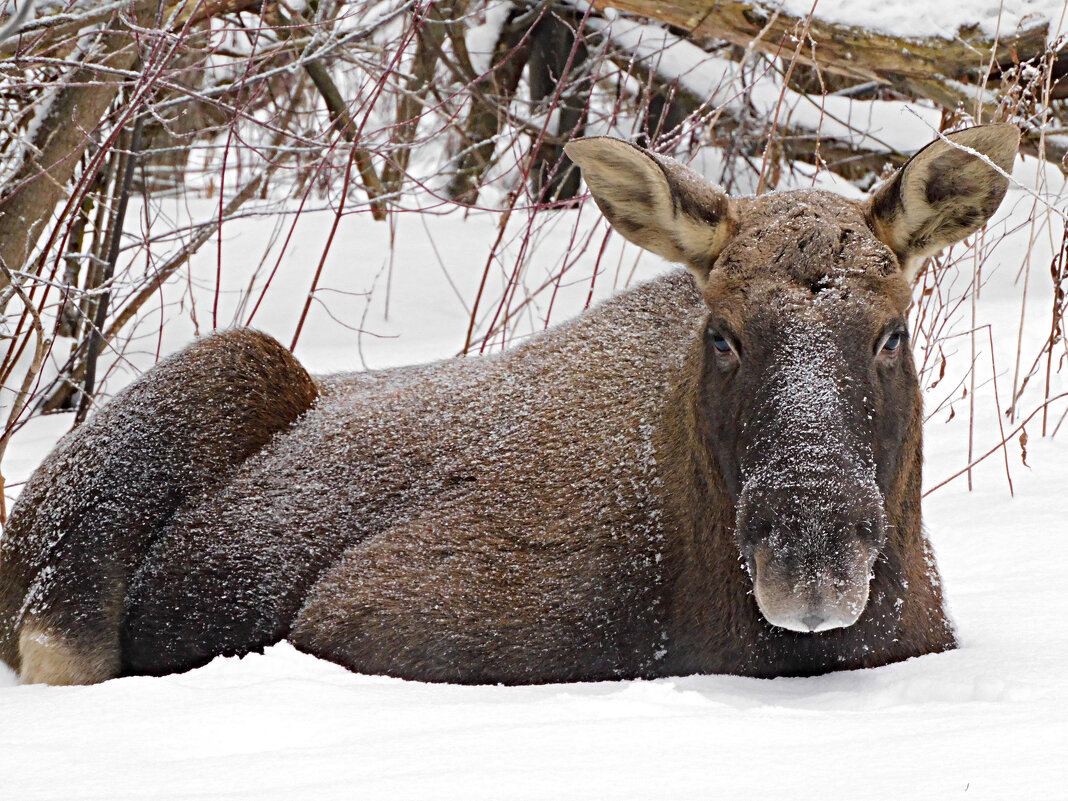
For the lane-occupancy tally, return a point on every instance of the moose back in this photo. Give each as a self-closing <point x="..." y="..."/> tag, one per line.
<point x="717" y="471"/>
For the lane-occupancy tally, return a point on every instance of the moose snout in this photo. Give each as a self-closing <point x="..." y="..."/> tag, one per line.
<point x="795" y="594"/>
<point x="811" y="566"/>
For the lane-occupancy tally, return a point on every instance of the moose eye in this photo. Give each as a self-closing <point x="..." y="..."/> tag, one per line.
<point x="893" y="342"/>
<point x="725" y="348"/>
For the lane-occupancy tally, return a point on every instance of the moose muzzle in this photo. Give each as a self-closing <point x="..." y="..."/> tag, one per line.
<point x="811" y="571"/>
<point x="812" y="598"/>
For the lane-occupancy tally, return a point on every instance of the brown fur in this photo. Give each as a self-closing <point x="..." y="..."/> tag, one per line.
<point x="597" y="503"/>
<point x="85" y="521"/>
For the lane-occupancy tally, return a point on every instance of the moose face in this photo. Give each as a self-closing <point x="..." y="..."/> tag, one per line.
<point x="809" y="396"/>
<point x="808" y="391"/>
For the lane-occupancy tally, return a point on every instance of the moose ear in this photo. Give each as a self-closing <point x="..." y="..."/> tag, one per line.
<point x="655" y="202"/>
<point x="943" y="193"/>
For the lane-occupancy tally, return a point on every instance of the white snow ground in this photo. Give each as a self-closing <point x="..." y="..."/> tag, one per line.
<point x="985" y="721"/>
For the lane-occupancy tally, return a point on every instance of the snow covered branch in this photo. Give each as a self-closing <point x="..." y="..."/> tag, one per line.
<point x="959" y="68"/>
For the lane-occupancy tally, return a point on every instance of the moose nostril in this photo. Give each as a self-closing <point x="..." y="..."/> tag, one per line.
<point x="812" y="621"/>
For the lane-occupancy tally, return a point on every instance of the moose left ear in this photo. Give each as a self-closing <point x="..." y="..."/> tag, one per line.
<point x="655" y="202"/>
<point x="944" y="193"/>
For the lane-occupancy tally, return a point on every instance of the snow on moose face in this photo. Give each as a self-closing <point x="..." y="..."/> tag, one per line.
<point x="809" y="393"/>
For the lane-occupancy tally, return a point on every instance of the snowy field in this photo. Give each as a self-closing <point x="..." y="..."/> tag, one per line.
<point x="989" y="720"/>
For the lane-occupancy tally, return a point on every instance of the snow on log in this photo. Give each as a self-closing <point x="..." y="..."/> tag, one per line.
<point x="961" y="71"/>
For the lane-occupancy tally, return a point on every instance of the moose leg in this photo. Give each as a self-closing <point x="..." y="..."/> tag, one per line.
<point x="88" y="515"/>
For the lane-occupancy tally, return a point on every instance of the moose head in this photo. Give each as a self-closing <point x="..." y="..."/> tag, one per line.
<point x="809" y="403"/>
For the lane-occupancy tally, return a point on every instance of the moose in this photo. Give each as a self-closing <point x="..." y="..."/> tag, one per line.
<point x="718" y="471"/>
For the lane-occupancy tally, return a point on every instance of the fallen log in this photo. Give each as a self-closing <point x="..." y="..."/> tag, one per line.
<point x="963" y="72"/>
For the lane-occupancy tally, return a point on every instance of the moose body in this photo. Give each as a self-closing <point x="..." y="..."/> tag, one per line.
<point x="716" y="472"/>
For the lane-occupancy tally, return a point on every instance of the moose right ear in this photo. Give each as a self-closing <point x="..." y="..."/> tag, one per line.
<point x="944" y="193"/>
<point x="655" y="202"/>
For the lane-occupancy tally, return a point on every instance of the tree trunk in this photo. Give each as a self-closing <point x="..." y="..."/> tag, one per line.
<point x="66" y="125"/>
<point x="493" y="92"/>
<point x="62" y="134"/>
<point x="558" y="83"/>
